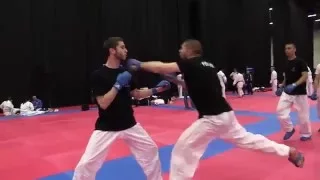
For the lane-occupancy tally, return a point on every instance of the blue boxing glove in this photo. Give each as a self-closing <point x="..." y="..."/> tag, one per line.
<point x="288" y="89"/>
<point x="123" y="79"/>
<point x="279" y="91"/>
<point x="165" y="85"/>
<point x="133" y="65"/>
<point x="314" y="96"/>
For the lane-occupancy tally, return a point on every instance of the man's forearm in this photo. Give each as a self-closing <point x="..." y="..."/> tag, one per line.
<point x="283" y="82"/>
<point x="174" y="79"/>
<point x="152" y="66"/>
<point x="105" y="100"/>
<point x="302" y="79"/>
<point x="316" y="82"/>
<point x="141" y="94"/>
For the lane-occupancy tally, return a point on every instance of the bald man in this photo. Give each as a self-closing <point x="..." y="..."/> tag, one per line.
<point x="216" y="117"/>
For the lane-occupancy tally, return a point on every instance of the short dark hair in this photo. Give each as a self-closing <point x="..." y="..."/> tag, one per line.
<point x="112" y="42"/>
<point x="291" y="43"/>
<point x="194" y="45"/>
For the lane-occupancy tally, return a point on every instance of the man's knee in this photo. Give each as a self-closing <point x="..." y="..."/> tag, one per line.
<point x="282" y="113"/>
<point x="153" y="149"/>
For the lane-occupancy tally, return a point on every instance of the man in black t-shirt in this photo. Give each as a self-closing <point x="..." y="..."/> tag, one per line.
<point x="295" y="93"/>
<point x="249" y="82"/>
<point x="112" y="88"/>
<point x="216" y="117"/>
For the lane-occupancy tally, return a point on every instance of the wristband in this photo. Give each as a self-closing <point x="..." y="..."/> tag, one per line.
<point x="117" y="86"/>
<point x="154" y="91"/>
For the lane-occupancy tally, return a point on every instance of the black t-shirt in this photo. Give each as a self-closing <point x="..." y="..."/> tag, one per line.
<point x="293" y="73"/>
<point x="119" y="115"/>
<point x="204" y="86"/>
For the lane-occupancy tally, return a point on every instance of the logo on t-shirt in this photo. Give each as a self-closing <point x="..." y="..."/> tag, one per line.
<point x="207" y="64"/>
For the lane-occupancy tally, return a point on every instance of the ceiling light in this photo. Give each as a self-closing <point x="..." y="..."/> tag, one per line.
<point x="312" y="15"/>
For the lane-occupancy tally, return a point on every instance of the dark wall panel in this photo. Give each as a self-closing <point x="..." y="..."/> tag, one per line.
<point x="49" y="48"/>
<point x="256" y="39"/>
<point x="291" y="24"/>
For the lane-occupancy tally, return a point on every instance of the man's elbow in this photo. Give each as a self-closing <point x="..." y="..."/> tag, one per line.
<point x="305" y="77"/>
<point x="103" y="106"/>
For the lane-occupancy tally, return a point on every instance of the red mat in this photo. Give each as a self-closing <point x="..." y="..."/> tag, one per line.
<point x="261" y="102"/>
<point x="56" y="142"/>
<point x="243" y="164"/>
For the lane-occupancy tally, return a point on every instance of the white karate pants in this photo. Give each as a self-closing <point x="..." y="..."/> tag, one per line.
<point x="274" y="85"/>
<point x="318" y="103"/>
<point x="240" y="88"/>
<point x="300" y="102"/>
<point x="309" y="88"/>
<point x="223" y="89"/>
<point x="193" y="142"/>
<point x="180" y="91"/>
<point x="142" y="146"/>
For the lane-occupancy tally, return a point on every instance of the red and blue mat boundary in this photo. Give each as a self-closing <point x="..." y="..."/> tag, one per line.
<point x="110" y="169"/>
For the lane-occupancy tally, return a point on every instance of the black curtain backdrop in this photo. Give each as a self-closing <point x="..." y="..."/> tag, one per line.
<point x="236" y="35"/>
<point x="291" y="24"/>
<point x="49" y="48"/>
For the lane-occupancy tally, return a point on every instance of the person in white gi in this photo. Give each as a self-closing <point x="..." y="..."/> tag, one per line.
<point x="316" y="92"/>
<point x="223" y="81"/>
<point x="239" y="83"/>
<point x="180" y="88"/>
<point x="274" y="80"/>
<point x="232" y="75"/>
<point x="8" y="108"/>
<point x="27" y="109"/>
<point x="309" y="83"/>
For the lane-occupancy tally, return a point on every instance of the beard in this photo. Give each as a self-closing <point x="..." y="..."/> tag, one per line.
<point x="182" y="56"/>
<point x="120" y="56"/>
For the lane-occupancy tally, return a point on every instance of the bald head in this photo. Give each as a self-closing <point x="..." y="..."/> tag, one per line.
<point x="190" y="48"/>
<point x="194" y="45"/>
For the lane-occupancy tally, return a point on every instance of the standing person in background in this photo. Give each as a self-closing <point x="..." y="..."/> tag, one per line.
<point x="316" y="93"/>
<point x="238" y="83"/>
<point x="232" y="76"/>
<point x="249" y="82"/>
<point x="223" y="81"/>
<point x="180" y="88"/>
<point x="295" y="93"/>
<point x="274" y="80"/>
<point x="309" y="83"/>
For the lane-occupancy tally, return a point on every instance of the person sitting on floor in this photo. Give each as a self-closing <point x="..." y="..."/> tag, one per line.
<point x="27" y="109"/>
<point x="8" y="108"/>
<point x="37" y="103"/>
